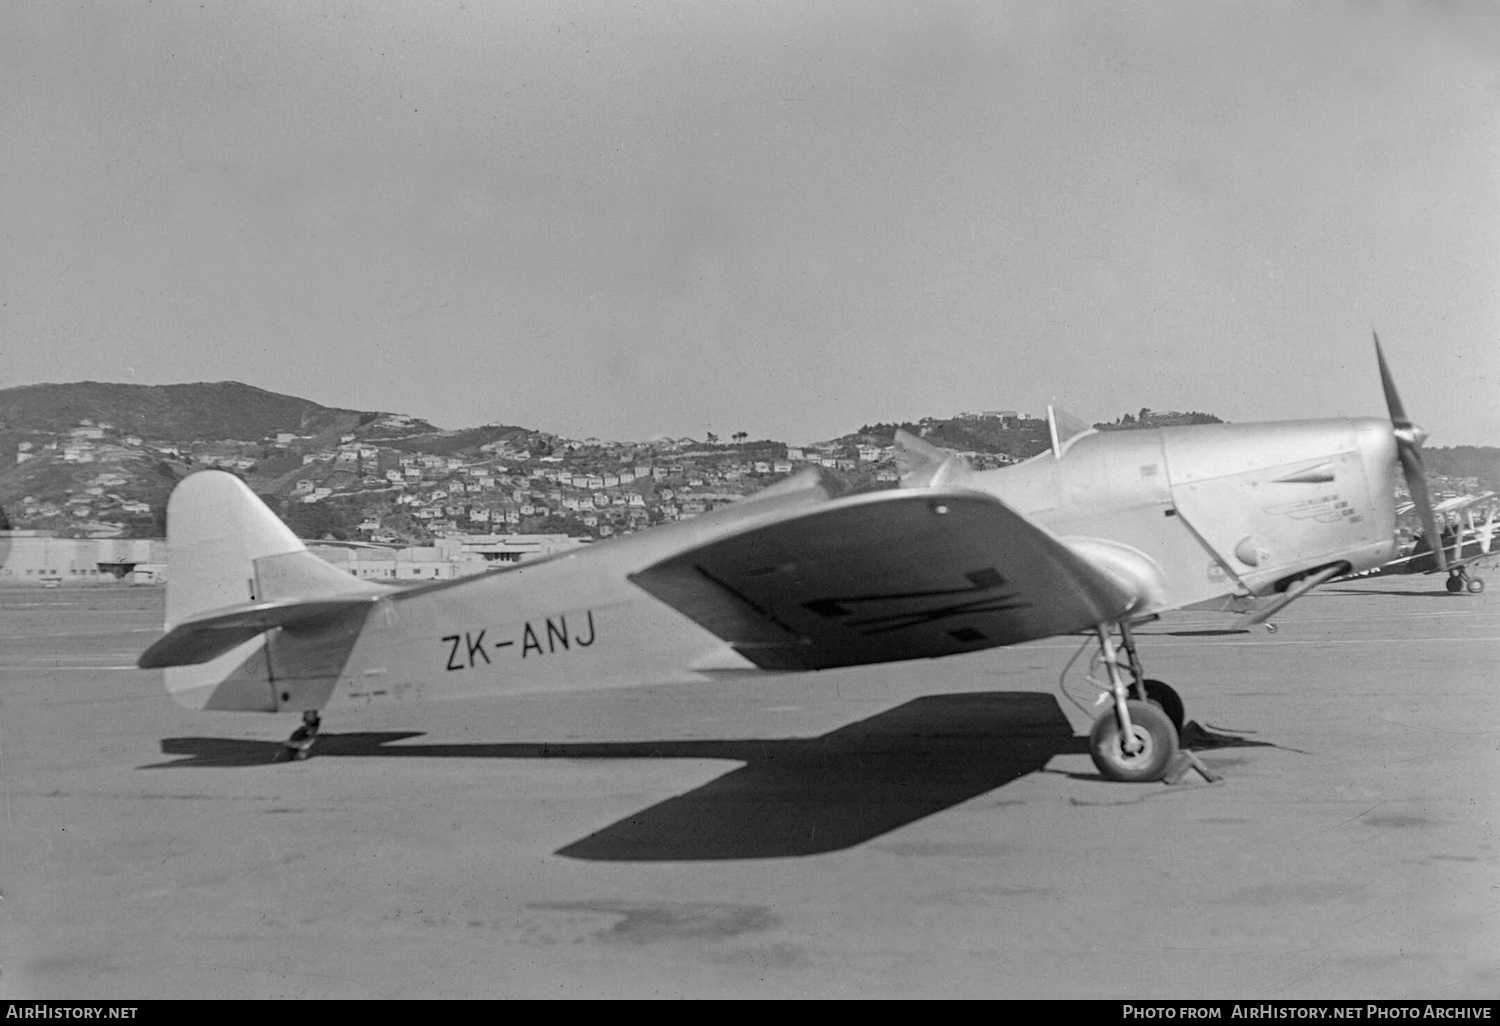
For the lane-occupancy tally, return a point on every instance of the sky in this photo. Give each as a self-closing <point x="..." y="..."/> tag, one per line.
<point x="629" y="220"/>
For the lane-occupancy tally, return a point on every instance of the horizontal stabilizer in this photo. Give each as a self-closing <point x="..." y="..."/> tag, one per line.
<point x="882" y="576"/>
<point x="199" y="640"/>
<point x="924" y="465"/>
<point x="814" y="483"/>
<point x="1065" y="429"/>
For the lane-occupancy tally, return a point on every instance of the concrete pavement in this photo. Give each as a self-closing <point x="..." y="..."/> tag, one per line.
<point x="928" y="829"/>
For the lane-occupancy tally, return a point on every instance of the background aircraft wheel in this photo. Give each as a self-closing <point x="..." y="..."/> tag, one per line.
<point x="1476" y="585"/>
<point x="1270" y="627"/>
<point x="1455" y="584"/>
<point x="1154" y="733"/>
<point x="1166" y="698"/>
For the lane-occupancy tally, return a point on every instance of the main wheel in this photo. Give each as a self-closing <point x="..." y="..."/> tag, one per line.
<point x="1155" y="737"/>
<point x="1455" y="584"/>
<point x="1476" y="585"/>
<point x="1165" y="698"/>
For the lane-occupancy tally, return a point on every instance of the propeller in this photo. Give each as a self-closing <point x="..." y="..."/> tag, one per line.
<point x="1409" y="440"/>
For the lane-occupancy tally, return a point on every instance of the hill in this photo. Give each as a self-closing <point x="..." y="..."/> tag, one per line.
<point x="1460" y="461"/>
<point x="99" y="460"/>
<point x="1009" y="435"/>
<point x="1013" y="437"/>
<point x="201" y="412"/>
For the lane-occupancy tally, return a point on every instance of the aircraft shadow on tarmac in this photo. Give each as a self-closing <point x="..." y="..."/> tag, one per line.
<point x="792" y="797"/>
<point x="1443" y="593"/>
<point x="1190" y="632"/>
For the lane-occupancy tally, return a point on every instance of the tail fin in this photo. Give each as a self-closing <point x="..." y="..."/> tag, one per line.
<point x="254" y="621"/>
<point x="225" y="548"/>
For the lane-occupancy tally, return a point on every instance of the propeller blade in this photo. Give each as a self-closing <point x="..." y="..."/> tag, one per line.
<point x="1409" y="439"/>
<point x="1388" y="384"/>
<point x="1416" y="483"/>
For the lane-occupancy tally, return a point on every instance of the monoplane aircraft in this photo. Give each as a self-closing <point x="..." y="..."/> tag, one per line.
<point x="1101" y="532"/>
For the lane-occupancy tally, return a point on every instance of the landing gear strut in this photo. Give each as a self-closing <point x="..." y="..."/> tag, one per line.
<point x="299" y="745"/>
<point x="1158" y="693"/>
<point x="1459" y="580"/>
<point x="1136" y="739"/>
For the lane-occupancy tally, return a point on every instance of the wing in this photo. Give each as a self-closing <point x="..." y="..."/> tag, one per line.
<point x="1459" y="503"/>
<point x="889" y="575"/>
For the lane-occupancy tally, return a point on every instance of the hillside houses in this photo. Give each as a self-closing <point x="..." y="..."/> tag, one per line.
<point x="395" y="489"/>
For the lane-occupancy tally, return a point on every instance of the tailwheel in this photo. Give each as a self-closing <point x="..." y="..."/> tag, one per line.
<point x="1166" y="698"/>
<point x="1141" y="757"/>
<point x="299" y="745"/>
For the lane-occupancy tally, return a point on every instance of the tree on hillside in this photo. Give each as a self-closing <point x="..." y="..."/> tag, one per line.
<point x="315" y="520"/>
<point x="883" y="432"/>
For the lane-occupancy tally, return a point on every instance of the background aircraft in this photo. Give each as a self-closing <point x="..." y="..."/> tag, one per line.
<point x="1103" y="531"/>
<point x="1462" y="545"/>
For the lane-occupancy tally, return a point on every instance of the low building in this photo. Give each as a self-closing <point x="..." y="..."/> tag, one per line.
<point x="40" y="557"/>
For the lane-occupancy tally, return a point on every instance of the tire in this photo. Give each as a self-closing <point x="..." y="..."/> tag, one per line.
<point x="1151" y="727"/>
<point x="1166" y="698"/>
<point x="1455" y="584"/>
<point x="1476" y="585"/>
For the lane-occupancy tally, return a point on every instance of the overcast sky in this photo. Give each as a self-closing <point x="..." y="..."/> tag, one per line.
<point x="790" y="219"/>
